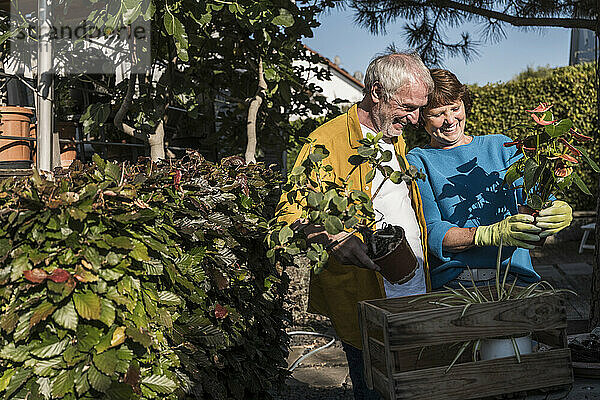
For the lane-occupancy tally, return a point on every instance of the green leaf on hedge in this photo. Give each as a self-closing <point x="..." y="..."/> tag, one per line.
<point x="81" y="383"/>
<point x="5" y="247"/>
<point x="45" y="367"/>
<point x="139" y="252"/>
<point x="18" y="379"/>
<point x="66" y="316"/>
<point x="52" y="349"/>
<point x="107" y="312"/>
<point x="41" y="312"/>
<point x="119" y="391"/>
<point x="98" y="380"/>
<point x="5" y="379"/>
<point x="87" y="305"/>
<point x="141" y="337"/>
<point x="106" y="362"/>
<point x="159" y="384"/>
<point x="122" y="242"/>
<point x="169" y="298"/>
<point x="63" y="383"/>
<point x="22" y="326"/>
<point x="14" y="353"/>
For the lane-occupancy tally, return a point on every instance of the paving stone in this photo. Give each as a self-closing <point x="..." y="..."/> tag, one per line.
<point x="547" y="272"/>
<point x="331" y="356"/>
<point x="576" y="268"/>
<point x="321" y="377"/>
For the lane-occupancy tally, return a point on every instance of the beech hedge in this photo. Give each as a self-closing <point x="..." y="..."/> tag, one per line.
<point x="140" y="282"/>
<point x="572" y="92"/>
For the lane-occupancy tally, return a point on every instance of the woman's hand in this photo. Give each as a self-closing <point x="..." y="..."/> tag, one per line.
<point x="554" y="218"/>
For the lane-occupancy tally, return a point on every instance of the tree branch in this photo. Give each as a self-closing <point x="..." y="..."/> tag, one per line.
<point x="124" y="108"/>
<point x="518" y="21"/>
<point x="250" y="155"/>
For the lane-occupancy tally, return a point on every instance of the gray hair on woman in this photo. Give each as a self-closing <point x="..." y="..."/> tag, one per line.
<point x="393" y="71"/>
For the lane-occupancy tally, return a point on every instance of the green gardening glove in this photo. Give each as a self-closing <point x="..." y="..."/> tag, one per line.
<point x="554" y="218"/>
<point x="512" y="231"/>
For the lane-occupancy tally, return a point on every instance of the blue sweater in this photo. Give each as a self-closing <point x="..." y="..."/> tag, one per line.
<point x="464" y="189"/>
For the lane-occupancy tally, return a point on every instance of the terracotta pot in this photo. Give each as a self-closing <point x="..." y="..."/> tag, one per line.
<point x="15" y="121"/>
<point x="400" y="263"/>
<point x="524" y="209"/>
<point x="68" y="151"/>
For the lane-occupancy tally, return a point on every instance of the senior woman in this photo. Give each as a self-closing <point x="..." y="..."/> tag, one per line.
<point x="467" y="208"/>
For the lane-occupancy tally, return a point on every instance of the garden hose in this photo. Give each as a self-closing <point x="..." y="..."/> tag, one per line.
<point x="302" y="358"/>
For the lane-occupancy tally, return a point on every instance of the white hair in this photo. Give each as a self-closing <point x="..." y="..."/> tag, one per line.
<point x="394" y="70"/>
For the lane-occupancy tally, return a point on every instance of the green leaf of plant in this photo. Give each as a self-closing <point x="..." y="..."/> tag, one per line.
<point x="66" y="316"/>
<point x="87" y="305"/>
<point x="285" y="18"/>
<point x="529" y="174"/>
<point x="396" y="177"/>
<point x="298" y="170"/>
<point x="356" y="159"/>
<point x="333" y="225"/>
<point x="285" y="234"/>
<point x="588" y="159"/>
<point x="580" y="184"/>
<point x="159" y="384"/>
<point x="534" y="201"/>
<point x="369" y="176"/>
<point x="511" y="175"/>
<point x="560" y="128"/>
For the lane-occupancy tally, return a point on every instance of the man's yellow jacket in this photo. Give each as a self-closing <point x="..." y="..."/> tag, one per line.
<point x="336" y="291"/>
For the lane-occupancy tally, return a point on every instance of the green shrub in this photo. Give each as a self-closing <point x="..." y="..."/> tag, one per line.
<point x="144" y="281"/>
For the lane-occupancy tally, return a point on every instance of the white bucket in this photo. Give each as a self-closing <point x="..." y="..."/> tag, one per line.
<point x="490" y="349"/>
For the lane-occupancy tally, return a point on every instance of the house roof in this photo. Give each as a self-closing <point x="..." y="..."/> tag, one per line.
<point x="336" y="67"/>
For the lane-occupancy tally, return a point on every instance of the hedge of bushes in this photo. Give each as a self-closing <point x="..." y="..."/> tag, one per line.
<point x="143" y="281"/>
<point x="497" y="107"/>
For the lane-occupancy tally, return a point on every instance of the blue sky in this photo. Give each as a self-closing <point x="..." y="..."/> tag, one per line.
<point x="338" y="35"/>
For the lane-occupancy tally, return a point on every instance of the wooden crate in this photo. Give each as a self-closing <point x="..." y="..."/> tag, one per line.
<point x="408" y="344"/>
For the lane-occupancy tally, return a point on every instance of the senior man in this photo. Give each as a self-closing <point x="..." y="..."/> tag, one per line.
<point x="396" y="86"/>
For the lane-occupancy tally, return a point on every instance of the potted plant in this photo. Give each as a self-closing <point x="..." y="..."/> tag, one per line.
<point x="551" y="153"/>
<point x="326" y="200"/>
<point x="500" y="347"/>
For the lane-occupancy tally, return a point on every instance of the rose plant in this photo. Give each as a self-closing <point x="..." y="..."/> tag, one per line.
<point x="552" y="152"/>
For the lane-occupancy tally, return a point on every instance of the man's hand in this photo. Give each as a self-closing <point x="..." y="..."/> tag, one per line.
<point x="511" y="231"/>
<point x="554" y="218"/>
<point x="344" y="246"/>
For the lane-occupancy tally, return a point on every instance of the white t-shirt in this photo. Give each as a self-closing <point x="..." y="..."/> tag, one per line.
<point x="393" y="202"/>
